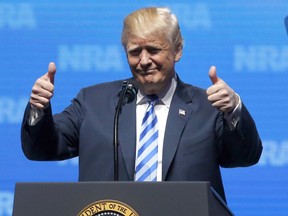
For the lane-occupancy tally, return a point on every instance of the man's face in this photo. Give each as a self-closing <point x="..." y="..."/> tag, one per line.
<point x="152" y="62"/>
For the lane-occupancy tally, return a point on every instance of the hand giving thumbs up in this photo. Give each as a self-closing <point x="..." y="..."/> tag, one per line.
<point x="43" y="89"/>
<point x="220" y="94"/>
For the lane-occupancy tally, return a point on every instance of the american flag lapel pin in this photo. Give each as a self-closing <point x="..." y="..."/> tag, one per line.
<point x="182" y="112"/>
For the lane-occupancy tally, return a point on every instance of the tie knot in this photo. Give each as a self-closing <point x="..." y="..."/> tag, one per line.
<point x="152" y="99"/>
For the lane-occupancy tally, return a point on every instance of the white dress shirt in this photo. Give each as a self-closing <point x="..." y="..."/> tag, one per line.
<point x="161" y="109"/>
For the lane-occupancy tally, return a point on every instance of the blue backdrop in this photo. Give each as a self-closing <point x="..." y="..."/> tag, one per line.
<point x="246" y="40"/>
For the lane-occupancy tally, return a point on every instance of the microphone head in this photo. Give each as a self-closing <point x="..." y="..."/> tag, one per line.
<point x="131" y="92"/>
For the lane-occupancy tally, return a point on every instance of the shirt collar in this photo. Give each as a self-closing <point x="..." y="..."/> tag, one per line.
<point x="165" y="98"/>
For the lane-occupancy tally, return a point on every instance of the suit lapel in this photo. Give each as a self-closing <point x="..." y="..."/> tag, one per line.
<point x="179" y="113"/>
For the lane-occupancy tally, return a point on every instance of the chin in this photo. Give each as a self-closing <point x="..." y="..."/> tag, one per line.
<point x="149" y="85"/>
<point x="150" y="88"/>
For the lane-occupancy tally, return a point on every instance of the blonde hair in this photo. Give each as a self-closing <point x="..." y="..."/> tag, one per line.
<point x="152" y="20"/>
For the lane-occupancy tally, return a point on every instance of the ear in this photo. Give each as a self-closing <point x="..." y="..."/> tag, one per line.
<point x="178" y="52"/>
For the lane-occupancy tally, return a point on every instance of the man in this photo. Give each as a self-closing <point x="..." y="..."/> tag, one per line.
<point x="197" y="130"/>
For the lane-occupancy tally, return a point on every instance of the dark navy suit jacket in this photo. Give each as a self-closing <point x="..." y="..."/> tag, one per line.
<point x="197" y="141"/>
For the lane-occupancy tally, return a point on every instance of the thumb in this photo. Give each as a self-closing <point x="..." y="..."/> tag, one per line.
<point x="51" y="72"/>
<point x="213" y="75"/>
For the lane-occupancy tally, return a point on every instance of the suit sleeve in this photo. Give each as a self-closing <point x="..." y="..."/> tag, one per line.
<point x="54" y="137"/>
<point x="242" y="146"/>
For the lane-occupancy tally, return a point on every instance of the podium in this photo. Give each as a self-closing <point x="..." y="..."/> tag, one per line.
<point x="118" y="198"/>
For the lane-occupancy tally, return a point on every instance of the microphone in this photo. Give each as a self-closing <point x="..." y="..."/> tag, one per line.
<point x="129" y="91"/>
<point x="286" y="23"/>
<point x="127" y="94"/>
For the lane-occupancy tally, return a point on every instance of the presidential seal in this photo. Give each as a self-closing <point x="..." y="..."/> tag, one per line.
<point x="108" y="208"/>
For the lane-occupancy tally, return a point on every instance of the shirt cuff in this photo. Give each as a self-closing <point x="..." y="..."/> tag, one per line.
<point x="35" y="115"/>
<point x="233" y="117"/>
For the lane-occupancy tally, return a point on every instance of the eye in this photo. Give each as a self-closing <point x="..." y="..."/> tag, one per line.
<point x="153" y="50"/>
<point x="134" y="52"/>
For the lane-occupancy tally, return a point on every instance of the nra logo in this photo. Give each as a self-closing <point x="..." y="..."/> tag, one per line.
<point x="17" y="16"/>
<point x="261" y="58"/>
<point x="108" y="207"/>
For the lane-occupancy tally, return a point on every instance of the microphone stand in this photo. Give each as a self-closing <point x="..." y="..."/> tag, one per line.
<point x="115" y="130"/>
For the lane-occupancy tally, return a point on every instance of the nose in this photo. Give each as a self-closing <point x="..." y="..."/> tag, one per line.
<point x="145" y="58"/>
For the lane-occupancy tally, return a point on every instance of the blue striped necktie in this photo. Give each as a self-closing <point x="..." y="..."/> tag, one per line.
<point x="147" y="155"/>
